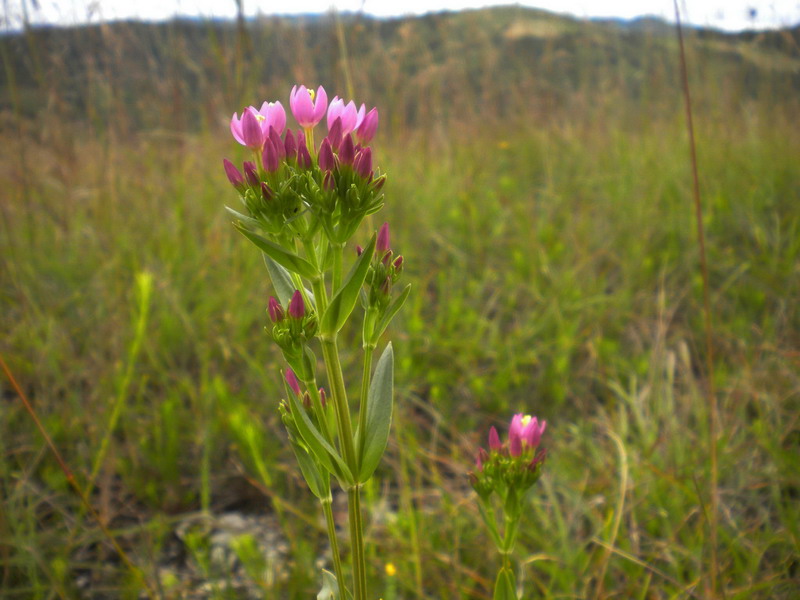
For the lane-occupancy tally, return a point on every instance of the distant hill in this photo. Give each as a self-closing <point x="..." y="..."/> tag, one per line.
<point x="423" y="70"/>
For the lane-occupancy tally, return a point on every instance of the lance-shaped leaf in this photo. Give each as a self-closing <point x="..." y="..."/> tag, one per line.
<point x="379" y="416"/>
<point x="243" y="218"/>
<point x="282" y="282"/>
<point x="280" y="255"/>
<point x="391" y="311"/>
<point x="342" y="303"/>
<point x="318" y="480"/>
<point x="505" y="587"/>
<point x="325" y="453"/>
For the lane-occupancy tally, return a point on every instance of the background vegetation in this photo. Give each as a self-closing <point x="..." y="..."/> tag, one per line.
<point x="540" y="191"/>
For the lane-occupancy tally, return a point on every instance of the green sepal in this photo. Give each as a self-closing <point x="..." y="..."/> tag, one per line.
<point x="505" y="587"/>
<point x="317" y="444"/>
<point x="318" y="481"/>
<point x="343" y="302"/>
<point x="391" y="311"/>
<point x="280" y="255"/>
<point x="379" y="416"/>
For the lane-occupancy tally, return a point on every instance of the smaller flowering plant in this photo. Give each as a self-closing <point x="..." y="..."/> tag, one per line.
<point x="508" y="470"/>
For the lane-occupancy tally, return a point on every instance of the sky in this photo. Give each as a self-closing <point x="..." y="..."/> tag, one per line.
<point x="730" y="15"/>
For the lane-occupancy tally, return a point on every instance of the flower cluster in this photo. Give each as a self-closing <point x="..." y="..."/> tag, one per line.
<point x="384" y="271"/>
<point x="292" y="330"/>
<point x="335" y="182"/>
<point x="513" y="466"/>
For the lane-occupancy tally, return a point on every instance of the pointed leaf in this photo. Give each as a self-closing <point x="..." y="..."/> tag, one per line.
<point x="379" y="416"/>
<point x="279" y="254"/>
<point x="319" y="446"/>
<point x="505" y="588"/>
<point x="281" y="280"/>
<point x="391" y="311"/>
<point x="342" y="303"/>
<point x="318" y="481"/>
<point x="243" y="218"/>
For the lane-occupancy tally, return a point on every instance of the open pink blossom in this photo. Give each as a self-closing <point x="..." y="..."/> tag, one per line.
<point x="367" y="127"/>
<point x="307" y="108"/>
<point x="525" y="432"/>
<point x="350" y="116"/>
<point x="253" y="127"/>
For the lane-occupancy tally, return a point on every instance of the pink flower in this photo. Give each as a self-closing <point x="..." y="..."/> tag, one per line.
<point x="253" y="127"/>
<point x="350" y="116"/>
<point x="303" y="157"/>
<point x="368" y="126"/>
<point x="326" y="162"/>
<point x="363" y="163"/>
<point x="347" y="152"/>
<point x="305" y="109"/>
<point x="275" y="310"/>
<point x="234" y="175"/>
<point x="382" y="244"/>
<point x="525" y="432"/>
<point x="494" y="439"/>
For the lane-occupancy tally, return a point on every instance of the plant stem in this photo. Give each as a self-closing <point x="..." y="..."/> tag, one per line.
<point x="330" y="352"/>
<point x="357" y="541"/>
<point x="362" y="408"/>
<point x="337" y="561"/>
<point x="338" y="250"/>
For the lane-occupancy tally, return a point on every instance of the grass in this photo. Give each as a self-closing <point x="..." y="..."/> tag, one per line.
<point x="554" y="265"/>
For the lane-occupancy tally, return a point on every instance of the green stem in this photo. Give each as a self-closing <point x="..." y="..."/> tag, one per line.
<point x="338" y="251"/>
<point x="357" y="542"/>
<point x="337" y="561"/>
<point x="330" y="352"/>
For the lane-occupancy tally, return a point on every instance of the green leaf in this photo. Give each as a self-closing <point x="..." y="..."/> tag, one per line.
<point x="505" y="588"/>
<point x="379" y="416"/>
<point x="243" y="218"/>
<point x="342" y="303"/>
<point x="280" y="255"/>
<point x="281" y="280"/>
<point x="330" y="589"/>
<point x="317" y="444"/>
<point x="318" y="481"/>
<point x="391" y="311"/>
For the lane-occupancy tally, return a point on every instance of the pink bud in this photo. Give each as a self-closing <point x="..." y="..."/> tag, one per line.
<point x="307" y="400"/>
<point x="303" y="157"/>
<point x="326" y="162"/>
<point x="269" y="157"/>
<point x="276" y="140"/>
<point x="290" y="146"/>
<point x="347" y="151"/>
<point x="366" y="130"/>
<point x="252" y="134"/>
<point x="297" y="307"/>
<point x="382" y="244"/>
<point x="328" y="182"/>
<point x="275" y="310"/>
<point x="359" y="250"/>
<point x="266" y="191"/>
<point x="250" y="173"/>
<point x="363" y="163"/>
<point x="514" y="446"/>
<point x="494" y="440"/>
<point x="322" y="398"/>
<point x="291" y="379"/>
<point x="335" y="134"/>
<point x="233" y="174"/>
<point x="398" y="263"/>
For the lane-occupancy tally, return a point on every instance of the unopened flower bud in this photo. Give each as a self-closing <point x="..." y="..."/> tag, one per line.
<point x="234" y="175"/>
<point x="363" y="163"/>
<point x="481" y="458"/>
<point x="326" y="162"/>
<point x="277" y="142"/>
<point x="297" y="306"/>
<point x="359" y="250"/>
<point x="270" y="157"/>
<point x="290" y="146"/>
<point x="398" y="263"/>
<point x="494" y="440"/>
<point x="303" y="157"/>
<point x="386" y="286"/>
<point x="335" y="134"/>
<point x="275" y="310"/>
<point x="307" y="400"/>
<point x="250" y="173"/>
<point x="328" y="181"/>
<point x="377" y="184"/>
<point x="291" y="379"/>
<point x="366" y="130"/>
<point x="347" y="152"/>
<point x="322" y="398"/>
<point x="382" y="244"/>
<point x="266" y="191"/>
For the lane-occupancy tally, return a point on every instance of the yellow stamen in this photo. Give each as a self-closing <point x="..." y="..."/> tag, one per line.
<point x="525" y="420"/>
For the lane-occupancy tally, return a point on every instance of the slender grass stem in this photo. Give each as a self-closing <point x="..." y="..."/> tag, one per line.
<point x="711" y="396"/>
<point x="357" y="541"/>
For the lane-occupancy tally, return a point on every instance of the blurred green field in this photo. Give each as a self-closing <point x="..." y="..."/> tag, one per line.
<point x="540" y="192"/>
